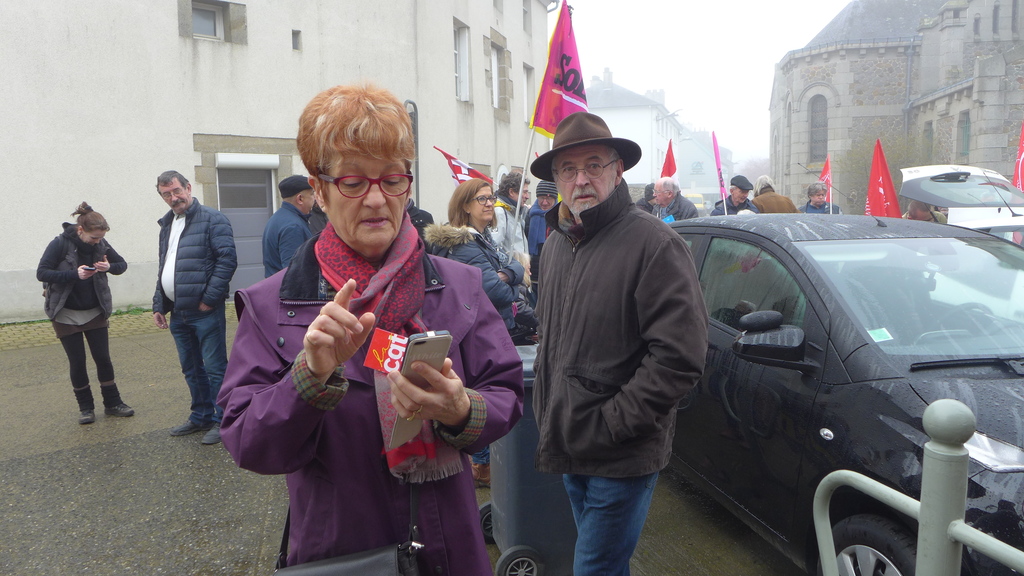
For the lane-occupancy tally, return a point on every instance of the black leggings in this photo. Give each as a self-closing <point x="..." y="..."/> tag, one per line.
<point x="99" y="346"/>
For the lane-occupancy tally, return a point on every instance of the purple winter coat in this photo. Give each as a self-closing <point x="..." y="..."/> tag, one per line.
<point x="342" y="497"/>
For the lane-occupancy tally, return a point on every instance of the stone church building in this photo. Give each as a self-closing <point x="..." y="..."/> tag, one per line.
<point x="937" y="81"/>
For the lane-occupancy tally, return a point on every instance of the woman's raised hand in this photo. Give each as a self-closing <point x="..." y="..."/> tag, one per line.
<point x="335" y="335"/>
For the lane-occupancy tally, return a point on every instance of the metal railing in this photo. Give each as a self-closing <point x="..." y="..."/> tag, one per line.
<point x="941" y="531"/>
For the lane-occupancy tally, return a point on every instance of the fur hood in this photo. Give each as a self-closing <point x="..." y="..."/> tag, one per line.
<point x="445" y="236"/>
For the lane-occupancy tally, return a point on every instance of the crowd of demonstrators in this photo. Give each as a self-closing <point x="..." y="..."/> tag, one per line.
<point x="918" y="210"/>
<point x="466" y="238"/>
<point x="737" y="201"/>
<point x="768" y="201"/>
<point x="537" y="228"/>
<point x="77" y="300"/>
<point x="299" y="398"/>
<point x="619" y="347"/>
<point x="196" y="262"/>
<point x="288" y="227"/>
<point x="816" y="200"/>
<point x="509" y="234"/>
<point x="669" y="204"/>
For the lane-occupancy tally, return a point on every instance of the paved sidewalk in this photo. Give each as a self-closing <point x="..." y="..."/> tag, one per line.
<point x="122" y="497"/>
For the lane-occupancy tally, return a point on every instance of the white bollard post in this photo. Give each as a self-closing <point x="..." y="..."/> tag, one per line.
<point x="949" y="423"/>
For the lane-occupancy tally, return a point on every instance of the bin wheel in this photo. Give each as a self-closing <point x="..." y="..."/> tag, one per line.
<point x="519" y="561"/>
<point x="486" y="524"/>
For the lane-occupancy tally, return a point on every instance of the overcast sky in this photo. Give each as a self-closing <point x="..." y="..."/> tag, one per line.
<point x="715" y="59"/>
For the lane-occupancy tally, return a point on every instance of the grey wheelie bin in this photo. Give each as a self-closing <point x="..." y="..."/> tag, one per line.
<point x="529" y="516"/>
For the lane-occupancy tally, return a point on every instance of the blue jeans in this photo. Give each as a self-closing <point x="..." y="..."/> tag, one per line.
<point x="203" y="353"/>
<point x="609" y="514"/>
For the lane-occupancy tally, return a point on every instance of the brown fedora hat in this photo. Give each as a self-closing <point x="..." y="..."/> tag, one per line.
<point x="581" y="129"/>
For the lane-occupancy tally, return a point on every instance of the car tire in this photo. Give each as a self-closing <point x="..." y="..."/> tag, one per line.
<point x="870" y="545"/>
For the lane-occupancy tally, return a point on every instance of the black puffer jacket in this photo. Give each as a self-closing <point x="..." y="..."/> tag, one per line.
<point x="205" y="263"/>
<point x="59" y="269"/>
<point x="468" y="246"/>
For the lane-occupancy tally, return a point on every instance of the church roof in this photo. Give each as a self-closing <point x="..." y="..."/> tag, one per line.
<point x="867" y="20"/>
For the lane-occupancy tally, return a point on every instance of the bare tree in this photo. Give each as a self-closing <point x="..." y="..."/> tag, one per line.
<point x="851" y="169"/>
<point x="754" y="167"/>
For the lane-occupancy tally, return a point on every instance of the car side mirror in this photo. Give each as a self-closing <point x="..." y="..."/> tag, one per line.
<point x="782" y="346"/>
<point x="760" y="321"/>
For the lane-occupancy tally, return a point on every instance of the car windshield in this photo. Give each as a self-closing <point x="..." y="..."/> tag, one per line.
<point x="962" y="190"/>
<point x="930" y="296"/>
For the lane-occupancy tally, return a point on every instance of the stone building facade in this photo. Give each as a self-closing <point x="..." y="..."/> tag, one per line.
<point x="937" y="82"/>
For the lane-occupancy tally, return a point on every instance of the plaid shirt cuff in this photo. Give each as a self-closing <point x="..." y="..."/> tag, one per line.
<point x="472" y="430"/>
<point x="324" y="396"/>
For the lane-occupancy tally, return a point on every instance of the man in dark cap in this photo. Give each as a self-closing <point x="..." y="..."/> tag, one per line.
<point x="288" y="228"/>
<point x="623" y="335"/>
<point x="739" y="190"/>
<point x="536" y="228"/>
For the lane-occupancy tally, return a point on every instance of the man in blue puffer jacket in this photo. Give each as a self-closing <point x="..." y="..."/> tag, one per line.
<point x="197" y="261"/>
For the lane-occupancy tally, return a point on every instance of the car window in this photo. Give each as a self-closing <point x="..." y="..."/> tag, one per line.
<point x="738" y="277"/>
<point x="930" y="296"/>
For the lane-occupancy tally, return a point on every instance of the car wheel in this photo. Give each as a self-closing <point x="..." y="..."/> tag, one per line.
<point x="519" y="561"/>
<point x="486" y="523"/>
<point x="869" y="545"/>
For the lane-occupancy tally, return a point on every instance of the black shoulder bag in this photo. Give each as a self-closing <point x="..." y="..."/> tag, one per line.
<point x="391" y="560"/>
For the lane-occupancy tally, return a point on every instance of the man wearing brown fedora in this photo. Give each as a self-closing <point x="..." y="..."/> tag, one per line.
<point x="623" y="335"/>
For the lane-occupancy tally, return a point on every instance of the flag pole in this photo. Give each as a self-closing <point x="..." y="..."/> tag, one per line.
<point x="522" y="181"/>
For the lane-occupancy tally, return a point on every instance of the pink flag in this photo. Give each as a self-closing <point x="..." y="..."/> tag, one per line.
<point x="881" y="200"/>
<point x="826" y="177"/>
<point x="462" y="171"/>
<point x="561" y="90"/>
<point x="669" y="169"/>
<point x="1018" y="169"/>
<point x="718" y="166"/>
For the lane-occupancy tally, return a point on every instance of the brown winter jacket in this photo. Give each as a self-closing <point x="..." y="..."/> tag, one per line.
<point x="623" y="338"/>
<point x="768" y="202"/>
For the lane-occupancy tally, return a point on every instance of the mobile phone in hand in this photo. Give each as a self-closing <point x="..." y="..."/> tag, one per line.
<point x="429" y="347"/>
<point x="89" y="267"/>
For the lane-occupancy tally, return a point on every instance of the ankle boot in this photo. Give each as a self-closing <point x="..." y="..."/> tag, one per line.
<point x="112" y="403"/>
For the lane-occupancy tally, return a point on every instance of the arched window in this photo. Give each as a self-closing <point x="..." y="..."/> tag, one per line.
<point x="819" y="129"/>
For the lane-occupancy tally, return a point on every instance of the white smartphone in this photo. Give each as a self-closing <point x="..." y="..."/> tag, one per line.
<point x="429" y="347"/>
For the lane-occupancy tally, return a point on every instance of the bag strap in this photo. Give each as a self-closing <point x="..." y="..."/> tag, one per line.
<point x="414" y="529"/>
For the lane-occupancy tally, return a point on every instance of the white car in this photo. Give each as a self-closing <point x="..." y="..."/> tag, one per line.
<point x="971" y="194"/>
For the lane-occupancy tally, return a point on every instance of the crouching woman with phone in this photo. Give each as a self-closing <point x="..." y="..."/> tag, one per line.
<point x="305" y="393"/>
<point x="74" y="271"/>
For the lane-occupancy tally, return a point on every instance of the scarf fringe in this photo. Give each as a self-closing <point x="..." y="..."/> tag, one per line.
<point x="448" y="469"/>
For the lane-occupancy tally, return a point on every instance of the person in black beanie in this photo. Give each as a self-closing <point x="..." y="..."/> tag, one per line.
<point x="74" y="271"/>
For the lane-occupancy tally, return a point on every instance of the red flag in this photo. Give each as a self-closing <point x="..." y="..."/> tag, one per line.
<point x="826" y="177"/>
<point x="1018" y="169"/>
<point x="881" y="199"/>
<point x="561" y="91"/>
<point x="669" y="169"/>
<point x="462" y="171"/>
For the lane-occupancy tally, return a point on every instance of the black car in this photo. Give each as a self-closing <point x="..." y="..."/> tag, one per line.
<point x="860" y="324"/>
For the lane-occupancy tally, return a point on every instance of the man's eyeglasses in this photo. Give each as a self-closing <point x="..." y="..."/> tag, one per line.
<point x="592" y="170"/>
<point x="359" y="186"/>
<point x="166" y="195"/>
<point x="485" y="200"/>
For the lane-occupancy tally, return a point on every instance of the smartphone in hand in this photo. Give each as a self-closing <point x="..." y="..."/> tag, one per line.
<point x="429" y="347"/>
<point x="89" y="267"/>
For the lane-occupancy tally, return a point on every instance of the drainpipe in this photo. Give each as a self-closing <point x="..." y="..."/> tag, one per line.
<point x="414" y="115"/>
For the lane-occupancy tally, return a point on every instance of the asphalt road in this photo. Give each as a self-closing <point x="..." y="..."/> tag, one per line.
<point x="121" y="497"/>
